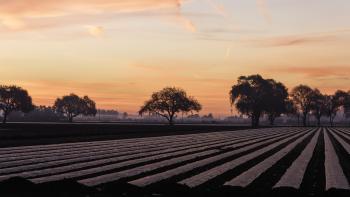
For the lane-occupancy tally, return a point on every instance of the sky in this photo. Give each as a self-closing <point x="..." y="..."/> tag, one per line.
<point x="120" y="51"/>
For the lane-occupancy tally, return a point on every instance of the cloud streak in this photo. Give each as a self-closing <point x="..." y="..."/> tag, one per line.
<point x="322" y="72"/>
<point x="298" y="39"/>
<point x="262" y="6"/>
<point x="19" y="14"/>
<point x="219" y="8"/>
<point x="290" y="40"/>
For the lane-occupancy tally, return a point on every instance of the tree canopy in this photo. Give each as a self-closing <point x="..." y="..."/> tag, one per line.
<point x="277" y="101"/>
<point x="334" y="103"/>
<point x="168" y="102"/>
<point x="14" y="98"/>
<point x="318" y="105"/>
<point x="346" y="104"/>
<point x="253" y="96"/>
<point x="72" y="106"/>
<point x="302" y="96"/>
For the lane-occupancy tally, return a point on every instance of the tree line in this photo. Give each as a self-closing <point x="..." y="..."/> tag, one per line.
<point x="252" y="96"/>
<point x="255" y="96"/>
<point x="14" y="98"/>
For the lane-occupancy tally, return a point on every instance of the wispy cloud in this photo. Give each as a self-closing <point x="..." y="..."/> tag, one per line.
<point x="219" y="8"/>
<point x="320" y="72"/>
<point x="297" y="39"/>
<point x="185" y="22"/>
<point x="290" y="40"/>
<point x="19" y="14"/>
<point x="262" y="6"/>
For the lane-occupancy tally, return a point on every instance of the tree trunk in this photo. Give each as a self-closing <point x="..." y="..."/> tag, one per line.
<point x="171" y="120"/>
<point x="318" y="121"/>
<point x="257" y="121"/>
<point x="4" y="118"/>
<point x="332" y="121"/>
<point x="272" y="120"/>
<point x="253" y="120"/>
<point x="304" y="119"/>
<point x="70" y="118"/>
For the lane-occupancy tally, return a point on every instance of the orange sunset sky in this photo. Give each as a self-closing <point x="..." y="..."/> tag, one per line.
<point x="119" y="51"/>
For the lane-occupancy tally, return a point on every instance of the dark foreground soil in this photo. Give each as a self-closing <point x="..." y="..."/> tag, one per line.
<point x="23" y="134"/>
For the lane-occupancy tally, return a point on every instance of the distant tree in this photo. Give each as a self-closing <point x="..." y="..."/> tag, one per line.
<point x="38" y="114"/>
<point x="72" y="106"/>
<point x="302" y="97"/>
<point x="168" y="102"/>
<point x="334" y="103"/>
<point x="115" y="112"/>
<point x="209" y="116"/>
<point x="108" y="112"/>
<point x="194" y="116"/>
<point x="250" y="96"/>
<point x="44" y="113"/>
<point x="125" y="115"/>
<point x="13" y="98"/>
<point x="277" y="101"/>
<point x="318" y="105"/>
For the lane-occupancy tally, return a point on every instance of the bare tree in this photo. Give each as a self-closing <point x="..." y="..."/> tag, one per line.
<point x="168" y="102"/>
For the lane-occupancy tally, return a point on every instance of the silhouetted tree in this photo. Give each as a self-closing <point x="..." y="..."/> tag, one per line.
<point x="72" y="106"/>
<point x="209" y="116"/>
<point x="346" y="105"/>
<point x="13" y="98"/>
<point x="194" y="116"/>
<point x="38" y="114"/>
<point x="302" y="97"/>
<point x="276" y="101"/>
<point x="125" y="115"/>
<point x="318" y="105"/>
<point x="334" y="104"/>
<point x="250" y="96"/>
<point x="168" y="102"/>
<point x="292" y="109"/>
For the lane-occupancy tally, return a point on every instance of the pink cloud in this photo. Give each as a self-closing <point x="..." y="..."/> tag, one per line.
<point x="298" y="39"/>
<point x="291" y="40"/>
<point x="321" y="72"/>
<point x="19" y="14"/>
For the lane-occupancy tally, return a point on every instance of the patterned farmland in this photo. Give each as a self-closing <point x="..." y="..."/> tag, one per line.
<point x="312" y="160"/>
